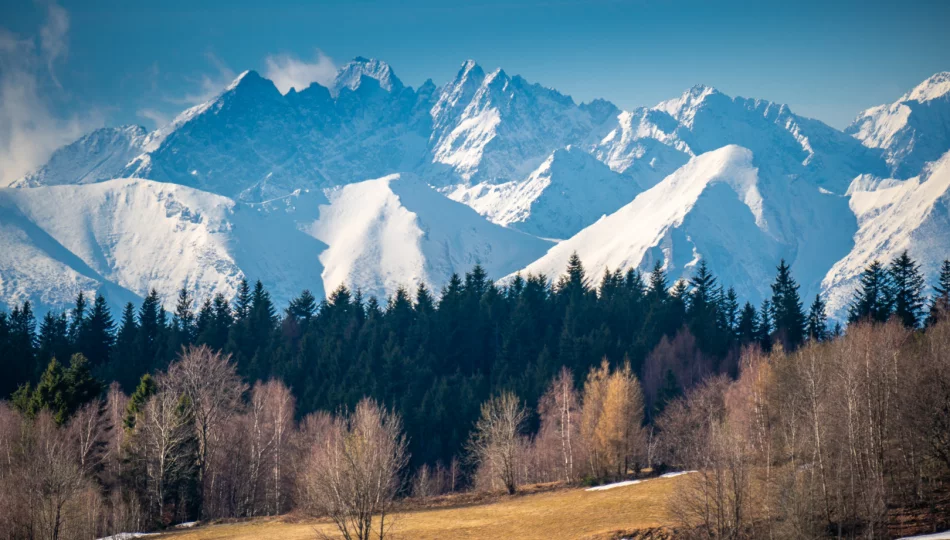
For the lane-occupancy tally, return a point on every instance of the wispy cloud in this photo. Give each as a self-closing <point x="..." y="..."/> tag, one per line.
<point x="208" y="84"/>
<point x="288" y="72"/>
<point x="53" y="35"/>
<point x="30" y="127"/>
<point x="157" y="117"/>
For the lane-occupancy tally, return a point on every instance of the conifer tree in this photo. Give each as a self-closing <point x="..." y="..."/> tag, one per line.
<point x="77" y="319"/>
<point x="940" y="305"/>
<point x="53" y="337"/>
<point x="184" y="324"/>
<point x="22" y="346"/>
<point x="873" y="299"/>
<point x="788" y="317"/>
<point x="659" y="287"/>
<point x="145" y="389"/>
<point x="125" y="354"/>
<point x="747" y="330"/>
<point x="907" y="286"/>
<point x="97" y="333"/>
<point x="817" y="320"/>
<point x="148" y="343"/>
<point x="303" y="307"/>
<point x="765" y="328"/>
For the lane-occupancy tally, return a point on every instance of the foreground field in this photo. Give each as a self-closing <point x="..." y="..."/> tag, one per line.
<point x="567" y="513"/>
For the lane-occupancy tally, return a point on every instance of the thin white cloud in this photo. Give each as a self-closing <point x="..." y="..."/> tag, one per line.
<point x="53" y="35"/>
<point x="30" y="127"/>
<point x="157" y="117"/>
<point x="209" y="84"/>
<point x="289" y="72"/>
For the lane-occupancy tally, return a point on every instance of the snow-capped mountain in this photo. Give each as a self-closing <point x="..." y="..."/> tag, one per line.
<point x="913" y="130"/>
<point x="484" y="169"/>
<point x="396" y="231"/>
<point x="569" y="191"/>
<point x="710" y="208"/>
<point x="894" y="216"/>
<point x="100" y="155"/>
<point x="496" y="128"/>
<point x="124" y="237"/>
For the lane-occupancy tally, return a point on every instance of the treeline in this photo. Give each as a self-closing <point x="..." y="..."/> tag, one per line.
<point x="485" y="386"/>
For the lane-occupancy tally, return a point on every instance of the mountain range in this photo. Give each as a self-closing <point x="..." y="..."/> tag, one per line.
<point x="373" y="184"/>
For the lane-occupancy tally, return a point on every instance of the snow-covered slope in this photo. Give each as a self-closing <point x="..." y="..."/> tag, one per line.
<point x="568" y="192"/>
<point x="710" y="208"/>
<point x="894" y="216"/>
<point x="100" y="155"/>
<point x="721" y="207"/>
<point x="913" y="130"/>
<point x="126" y="236"/>
<point x="396" y="231"/>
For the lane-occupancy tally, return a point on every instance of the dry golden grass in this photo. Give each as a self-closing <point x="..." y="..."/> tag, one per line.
<point x="567" y="513"/>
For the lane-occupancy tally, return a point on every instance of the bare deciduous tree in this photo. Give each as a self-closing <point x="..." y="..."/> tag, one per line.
<point x="210" y="382"/>
<point x="496" y="444"/>
<point x="354" y="474"/>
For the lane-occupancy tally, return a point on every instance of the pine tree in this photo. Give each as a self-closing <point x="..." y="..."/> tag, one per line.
<point x="573" y="283"/>
<point x="765" y="325"/>
<point x="242" y="303"/>
<point x="659" y="287"/>
<point x="145" y="389"/>
<point x="184" y="324"/>
<point x="747" y="331"/>
<point x="60" y="391"/>
<point x="125" y="354"/>
<point x="53" y="338"/>
<point x="940" y="305"/>
<point x="873" y="299"/>
<point x="907" y="286"/>
<point x="22" y="346"/>
<point x="817" y="320"/>
<point x="730" y="311"/>
<point x="789" y="319"/>
<point x="97" y="334"/>
<point x="303" y="307"/>
<point x="149" y="349"/>
<point x="77" y="319"/>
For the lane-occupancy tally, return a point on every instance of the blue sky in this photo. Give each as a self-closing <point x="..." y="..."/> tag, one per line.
<point x="76" y="64"/>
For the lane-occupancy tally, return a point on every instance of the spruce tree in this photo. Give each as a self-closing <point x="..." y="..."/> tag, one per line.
<point x="53" y="338"/>
<point x="940" y="305"/>
<point x="242" y="302"/>
<point x="658" y="289"/>
<point x="747" y="330"/>
<point x="184" y="324"/>
<point x="872" y="300"/>
<point x="77" y="319"/>
<point x="22" y="346"/>
<point x="145" y="389"/>
<point x="303" y="307"/>
<point x="789" y="318"/>
<point x="126" y="366"/>
<point x="764" y="334"/>
<point x="907" y="285"/>
<point x="817" y="320"/>
<point x="148" y="343"/>
<point x="97" y="334"/>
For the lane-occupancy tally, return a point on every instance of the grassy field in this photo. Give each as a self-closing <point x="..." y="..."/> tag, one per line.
<point x="564" y="513"/>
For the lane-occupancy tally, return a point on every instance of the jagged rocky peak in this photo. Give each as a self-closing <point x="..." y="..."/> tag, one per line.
<point x="351" y="75"/>
<point x="934" y="87"/>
